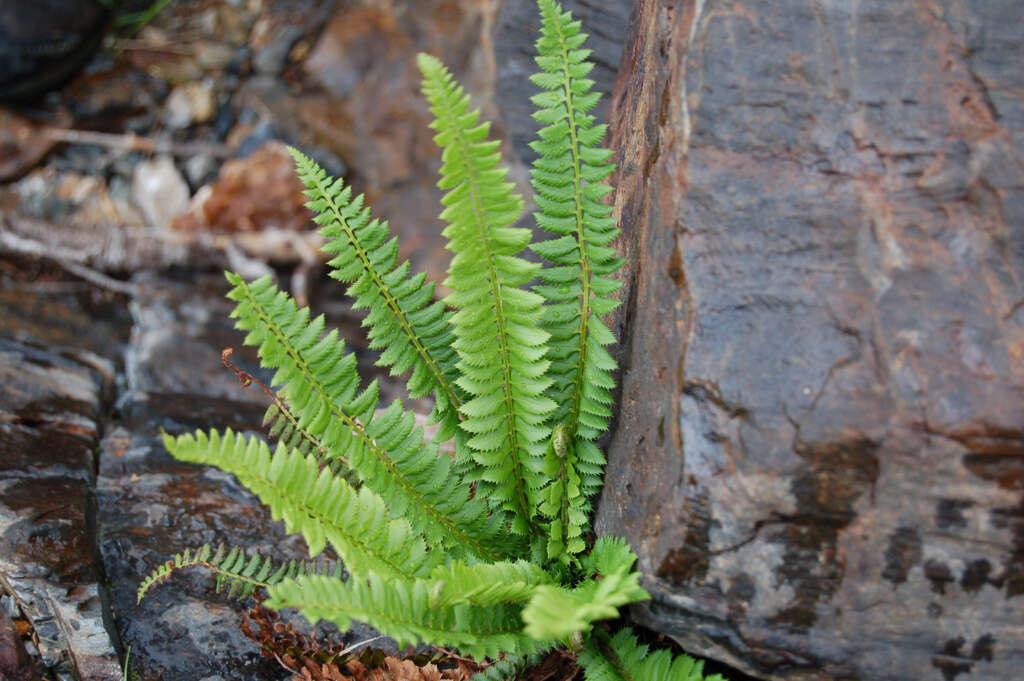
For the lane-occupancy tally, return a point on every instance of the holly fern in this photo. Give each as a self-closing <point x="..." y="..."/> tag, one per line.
<point x="486" y="551"/>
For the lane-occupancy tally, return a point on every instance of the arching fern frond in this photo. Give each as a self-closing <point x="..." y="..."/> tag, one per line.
<point x="566" y="178"/>
<point x="314" y="503"/>
<point x="457" y="583"/>
<point x="501" y="349"/>
<point x="403" y="319"/>
<point x="318" y="380"/>
<point x="238" y="574"/>
<point x="403" y="610"/>
<point x="556" y="612"/>
<point x="622" y="658"/>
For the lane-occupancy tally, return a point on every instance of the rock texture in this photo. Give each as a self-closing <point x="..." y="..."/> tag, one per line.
<point x="820" y="453"/>
<point x="54" y="383"/>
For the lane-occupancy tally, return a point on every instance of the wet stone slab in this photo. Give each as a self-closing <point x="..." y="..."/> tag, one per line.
<point x="48" y="547"/>
<point x="151" y="507"/>
<point x="57" y="375"/>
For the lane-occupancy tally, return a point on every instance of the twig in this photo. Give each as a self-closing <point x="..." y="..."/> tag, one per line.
<point x="132" y="142"/>
<point x="99" y="279"/>
<point x="455" y="656"/>
<point x="356" y="646"/>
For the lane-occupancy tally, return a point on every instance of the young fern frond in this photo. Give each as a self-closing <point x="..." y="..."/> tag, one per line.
<point x="501" y="349"/>
<point x="318" y="380"/>
<point x="404" y="610"/>
<point x="556" y="612"/>
<point x="559" y="500"/>
<point x="316" y="504"/>
<point x="239" y="574"/>
<point x="404" y="320"/>
<point x="566" y="179"/>
<point x="622" y="658"/>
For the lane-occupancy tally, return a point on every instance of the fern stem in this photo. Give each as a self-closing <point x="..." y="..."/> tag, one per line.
<point x="444" y="521"/>
<point x="581" y="363"/>
<point x="389" y="298"/>
<point x="246" y="379"/>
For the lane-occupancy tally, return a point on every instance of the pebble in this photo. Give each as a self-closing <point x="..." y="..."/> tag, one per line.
<point x="189" y="104"/>
<point x="159" y="191"/>
<point x="199" y="169"/>
<point x="213" y="55"/>
<point x="262" y="133"/>
<point x="271" y="58"/>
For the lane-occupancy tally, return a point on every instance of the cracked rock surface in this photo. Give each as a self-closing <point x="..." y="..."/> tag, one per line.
<point x="820" y="453"/>
<point x="90" y="502"/>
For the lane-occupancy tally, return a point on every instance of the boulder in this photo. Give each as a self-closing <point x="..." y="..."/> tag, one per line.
<point x="820" y="452"/>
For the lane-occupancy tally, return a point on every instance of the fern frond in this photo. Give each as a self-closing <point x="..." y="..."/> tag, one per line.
<point x="402" y="609"/>
<point x="283" y="426"/>
<point x="556" y="612"/>
<point x="622" y="658"/>
<point x="318" y="380"/>
<point x="566" y="179"/>
<point x="560" y="500"/>
<point x="403" y="319"/>
<point x="314" y="503"/>
<point x="500" y="347"/>
<point x="238" y="574"/>
<point x="457" y="583"/>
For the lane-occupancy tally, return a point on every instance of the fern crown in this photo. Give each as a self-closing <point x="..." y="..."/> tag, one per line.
<point x="486" y="551"/>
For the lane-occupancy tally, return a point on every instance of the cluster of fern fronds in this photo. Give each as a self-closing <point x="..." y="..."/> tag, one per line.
<point x="486" y="552"/>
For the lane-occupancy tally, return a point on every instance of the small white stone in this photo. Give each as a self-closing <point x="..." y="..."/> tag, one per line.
<point x="159" y="191"/>
<point x="188" y="104"/>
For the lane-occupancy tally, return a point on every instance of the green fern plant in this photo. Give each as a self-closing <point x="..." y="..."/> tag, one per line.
<point x="486" y="551"/>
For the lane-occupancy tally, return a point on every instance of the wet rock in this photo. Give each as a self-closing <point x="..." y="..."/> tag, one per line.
<point x="39" y="387"/>
<point x="820" y="455"/>
<point x="160" y="191"/>
<point x="178" y="337"/>
<point x="259" y="192"/>
<point x="52" y="402"/>
<point x="47" y="560"/>
<point x="151" y="507"/>
<point x="77" y="322"/>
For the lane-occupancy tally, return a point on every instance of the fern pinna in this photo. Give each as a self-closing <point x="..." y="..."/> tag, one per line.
<point x="484" y="552"/>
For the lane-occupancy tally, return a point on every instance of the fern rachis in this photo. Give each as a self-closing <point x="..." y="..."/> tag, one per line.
<point x="486" y="553"/>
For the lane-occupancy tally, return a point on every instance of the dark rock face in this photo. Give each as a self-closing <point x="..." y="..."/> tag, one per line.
<point x="820" y="454"/>
<point x="54" y="385"/>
